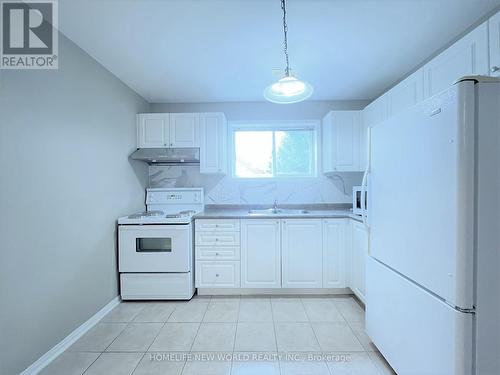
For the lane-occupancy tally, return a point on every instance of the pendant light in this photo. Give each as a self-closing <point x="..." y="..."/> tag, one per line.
<point x="288" y="89"/>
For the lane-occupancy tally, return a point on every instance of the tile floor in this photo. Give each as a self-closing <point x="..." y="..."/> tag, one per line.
<point x="227" y="335"/>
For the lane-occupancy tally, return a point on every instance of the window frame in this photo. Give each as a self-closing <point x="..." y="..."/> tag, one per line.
<point x="314" y="125"/>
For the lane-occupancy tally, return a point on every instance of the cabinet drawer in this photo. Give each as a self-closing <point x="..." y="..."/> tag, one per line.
<point x="217" y="274"/>
<point x="217" y="225"/>
<point x="217" y="252"/>
<point x="217" y="238"/>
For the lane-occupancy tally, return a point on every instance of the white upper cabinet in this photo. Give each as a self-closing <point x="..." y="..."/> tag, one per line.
<point x="406" y="94"/>
<point x="260" y="253"/>
<point x="184" y="130"/>
<point x="334" y="244"/>
<point x="302" y="253"/>
<point x="213" y="147"/>
<point x="168" y="130"/>
<point x="494" y="29"/>
<point x="153" y="130"/>
<point x="342" y="141"/>
<point x="468" y="56"/>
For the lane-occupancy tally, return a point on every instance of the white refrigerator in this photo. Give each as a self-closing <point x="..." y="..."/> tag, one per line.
<point x="432" y="284"/>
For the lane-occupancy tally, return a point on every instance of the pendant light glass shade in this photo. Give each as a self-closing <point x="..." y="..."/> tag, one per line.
<point x="288" y="90"/>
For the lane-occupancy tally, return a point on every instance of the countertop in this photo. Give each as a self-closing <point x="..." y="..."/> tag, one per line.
<point x="242" y="212"/>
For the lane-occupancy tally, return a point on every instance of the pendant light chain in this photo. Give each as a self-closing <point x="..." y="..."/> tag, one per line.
<point x="285" y="42"/>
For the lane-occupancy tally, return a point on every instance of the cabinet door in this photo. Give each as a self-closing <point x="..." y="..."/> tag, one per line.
<point x="342" y="141"/>
<point x="213" y="144"/>
<point x="302" y="253"/>
<point x="468" y="56"/>
<point x="184" y="130"/>
<point x="153" y="130"/>
<point x="260" y="253"/>
<point x="359" y="252"/>
<point x="494" y="28"/>
<point x="407" y="93"/>
<point x="334" y="244"/>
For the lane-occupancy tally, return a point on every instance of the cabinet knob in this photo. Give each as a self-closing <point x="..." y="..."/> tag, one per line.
<point x="216" y="239"/>
<point x="216" y="275"/>
<point x="494" y="69"/>
<point x="216" y="253"/>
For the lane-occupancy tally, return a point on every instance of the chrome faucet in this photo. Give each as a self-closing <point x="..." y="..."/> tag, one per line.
<point x="275" y="206"/>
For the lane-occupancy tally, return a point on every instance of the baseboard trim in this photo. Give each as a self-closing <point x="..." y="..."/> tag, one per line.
<point x="272" y="291"/>
<point x="69" y="340"/>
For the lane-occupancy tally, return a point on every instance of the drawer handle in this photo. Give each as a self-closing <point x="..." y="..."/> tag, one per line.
<point x="217" y="275"/>
<point x="216" y="239"/>
<point x="216" y="253"/>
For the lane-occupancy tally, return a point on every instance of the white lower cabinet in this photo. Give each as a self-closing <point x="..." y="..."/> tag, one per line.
<point x="267" y="253"/>
<point x="334" y="253"/>
<point x="217" y="274"/>
<point x="217" y="253"/>
<point x="359" y="253"/>
<point x="260" y="253"/>
<point x="302" y="253"/>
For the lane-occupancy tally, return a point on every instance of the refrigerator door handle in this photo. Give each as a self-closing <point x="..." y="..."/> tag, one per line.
<point x="364" y="186"/>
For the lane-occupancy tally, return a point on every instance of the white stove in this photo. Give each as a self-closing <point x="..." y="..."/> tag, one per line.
<point x="168" y="206"/>
<point x="156" y="246"/>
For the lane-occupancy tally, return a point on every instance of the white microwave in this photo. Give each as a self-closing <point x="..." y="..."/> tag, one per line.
<point x="359" y="200"/>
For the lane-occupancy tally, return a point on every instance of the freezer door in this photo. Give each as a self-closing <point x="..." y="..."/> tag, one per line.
<point x="416" y="332"/>
<point x="422" y="194"/>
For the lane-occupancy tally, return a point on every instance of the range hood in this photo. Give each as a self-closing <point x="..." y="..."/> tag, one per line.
<point x="168" y="156"/>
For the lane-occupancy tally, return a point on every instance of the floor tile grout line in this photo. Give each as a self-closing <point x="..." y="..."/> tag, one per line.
<point x="275" y="335"/>
<point x="159" y="331"/>
<point x="95" y="360"/>
<point x="235" y="335"/>
<point x="311" y="326"/>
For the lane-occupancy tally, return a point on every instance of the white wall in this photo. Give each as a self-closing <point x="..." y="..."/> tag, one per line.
<point x="65" y="137"/>
<point x="228" y="190"/>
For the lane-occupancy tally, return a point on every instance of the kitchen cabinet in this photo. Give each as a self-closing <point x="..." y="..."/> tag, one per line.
<point x="184" y="130"/>
<point x="260" y="253"/>
<point x="213" y="138"/>
<point x="406" y="94"/>
<point x="217" y="253"/>
<point x="153" y="130"/>
<point x="468" y="56"/>
<point x="221" y="274"/>
<point x="494" y="33"/>
<point x="167" y="130"/>
<point x="302" y="249"/>
<point x="342" y="141"/>
<point x="334" y="246"/>
<point x="359" y="253"/>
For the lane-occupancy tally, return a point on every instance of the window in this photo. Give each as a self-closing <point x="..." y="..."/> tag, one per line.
<point x="282" y="150"/>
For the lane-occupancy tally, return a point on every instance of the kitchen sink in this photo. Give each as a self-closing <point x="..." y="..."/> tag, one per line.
<point x="277" y="211"/>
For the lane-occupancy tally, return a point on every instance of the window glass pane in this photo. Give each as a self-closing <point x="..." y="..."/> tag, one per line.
<point x="253" y="153"/>
<point x="294" y="152"/>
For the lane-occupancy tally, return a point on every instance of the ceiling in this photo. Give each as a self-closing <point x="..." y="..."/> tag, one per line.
<point x="226" y="50"/>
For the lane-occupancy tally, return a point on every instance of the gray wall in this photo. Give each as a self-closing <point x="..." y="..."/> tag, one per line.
<point x="64" y="140"/>
<point x="263" y="110"/>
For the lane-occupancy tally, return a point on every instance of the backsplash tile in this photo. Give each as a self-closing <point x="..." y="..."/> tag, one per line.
<point x="228" y="190"/>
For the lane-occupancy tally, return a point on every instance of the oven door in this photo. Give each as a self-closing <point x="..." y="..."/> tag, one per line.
<point x="155" y="248"/>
